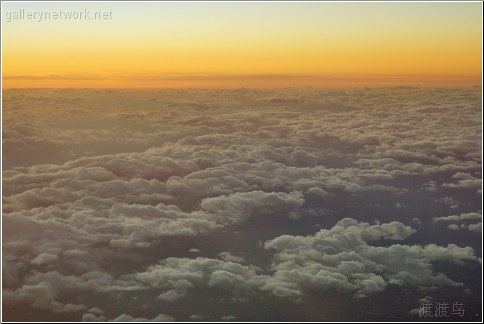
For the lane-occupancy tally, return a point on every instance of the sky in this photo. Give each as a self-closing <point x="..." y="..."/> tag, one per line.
<point x="243" y="45"/>
<point x="241" y="161"/>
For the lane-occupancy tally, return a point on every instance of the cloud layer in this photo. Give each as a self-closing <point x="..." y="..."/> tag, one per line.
<point x="146" y="199"/>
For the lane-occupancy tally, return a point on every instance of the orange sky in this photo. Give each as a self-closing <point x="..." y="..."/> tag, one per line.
<point x="244" y="44"/>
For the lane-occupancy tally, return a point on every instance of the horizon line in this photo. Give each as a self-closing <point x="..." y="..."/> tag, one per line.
<point x="241" y="80"/>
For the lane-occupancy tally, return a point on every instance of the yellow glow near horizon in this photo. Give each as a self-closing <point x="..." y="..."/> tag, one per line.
<point x="441" y="42"/>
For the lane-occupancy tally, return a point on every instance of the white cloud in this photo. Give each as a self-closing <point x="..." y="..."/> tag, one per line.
<point x="44" y="258"/>
<point x="228" y="257"/>
<point x="460" y="217"/>
<point x="475" y="227"/>
<point x="39" y="295"/>
<point x="179" y="275"/>
<point x="340" y="259"/>
<point x="453" y="227"/>
<point x="129" y="318"/>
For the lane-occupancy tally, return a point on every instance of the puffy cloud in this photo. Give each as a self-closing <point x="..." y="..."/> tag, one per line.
<point x="338" y="259"/>
<point x="465" y="183"/>
<point x="179" y="275"/>
<point x="196" y="317"/>
<point x="239" y="206"/>
<point x="460" y="217"/>
<point x="471" y="227"/>
<point x="475" y="227"/>
<point x="448" y="201"/>
<point x="453" y="227"/>
<point x="44" y="258"/>
<point x="97" y="315"/>
<point x="39" y="295"/>
<point x="94" y="315"/>
<point x="341" y="259"/>
<point x="228" y="257"/>
<point x="129" y="318"/>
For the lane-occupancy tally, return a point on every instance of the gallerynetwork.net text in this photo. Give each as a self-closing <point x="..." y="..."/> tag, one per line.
<point x="40" y="16"/>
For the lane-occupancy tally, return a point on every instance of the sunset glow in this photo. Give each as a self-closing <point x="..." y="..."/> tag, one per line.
<point x="240" y="44"/>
